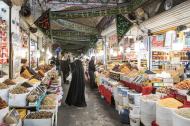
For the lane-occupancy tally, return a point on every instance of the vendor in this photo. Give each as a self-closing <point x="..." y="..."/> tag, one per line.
<point x="24" y="66"/>
<point x="26" y="71"/>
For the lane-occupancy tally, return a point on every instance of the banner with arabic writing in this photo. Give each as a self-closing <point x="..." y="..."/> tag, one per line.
<point x="43" y="22"/>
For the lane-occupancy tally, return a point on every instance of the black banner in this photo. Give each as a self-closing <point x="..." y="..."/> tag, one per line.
<point x="43" y="22"/>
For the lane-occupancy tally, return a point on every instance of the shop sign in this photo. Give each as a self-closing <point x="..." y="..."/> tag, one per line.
<point x="96" y="12"/>
<point x="62" y="33"/>
<point x="158" y="41"/>
<point x="170" y="38"/>
<point x="73" y="38"/>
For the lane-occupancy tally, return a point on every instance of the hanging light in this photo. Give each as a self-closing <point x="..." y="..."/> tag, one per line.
<point x="43" y="50"/>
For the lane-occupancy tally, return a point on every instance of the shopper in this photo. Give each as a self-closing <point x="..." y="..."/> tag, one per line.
<point x="91" y="70"/>
<point x="76" y="94"/>
<point x="65" y="70"/>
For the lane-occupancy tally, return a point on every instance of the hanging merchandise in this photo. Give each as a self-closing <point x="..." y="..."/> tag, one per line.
<point x="123" y="25"/>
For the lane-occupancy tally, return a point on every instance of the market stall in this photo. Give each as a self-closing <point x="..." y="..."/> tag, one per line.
<point x="31" y="99"/>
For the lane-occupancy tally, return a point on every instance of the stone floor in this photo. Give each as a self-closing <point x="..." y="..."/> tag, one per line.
<point x="97" y="112"/>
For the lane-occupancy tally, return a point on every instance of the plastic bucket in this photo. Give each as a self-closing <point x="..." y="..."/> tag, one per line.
<point x="164" y="115"/>
<point x="179" y="120"/>
<point x="134" y="98"/>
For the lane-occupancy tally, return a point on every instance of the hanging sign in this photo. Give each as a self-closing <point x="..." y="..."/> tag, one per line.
<point x="96" y="12"/>
<point x="158" y="41"/>
<point x="77" y="27"/>
<point x="123" y="26"/>
<point x="43" y="22"/>
<point x="62" y="33"/>
<point x="75" y="38"/>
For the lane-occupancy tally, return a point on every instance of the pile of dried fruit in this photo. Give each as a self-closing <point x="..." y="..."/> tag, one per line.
<point x="40" y="115"/>
<point x="3" y="86"/>
<point x="3" y="103"/>
<point x="9" y="82"/>
<point x="183" y="85"/>
<point x="19" y="90"/>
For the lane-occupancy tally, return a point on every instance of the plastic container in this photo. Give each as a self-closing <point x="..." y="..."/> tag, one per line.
<point x="148" y="111"/>
<point x="134" y="98"/>
<point x="179" y="120"/>
<point x="134" y="120"/>
<point x="17" y="100"/>
<point x="164" y="115"/>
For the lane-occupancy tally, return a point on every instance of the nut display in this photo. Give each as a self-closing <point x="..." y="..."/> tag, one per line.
<point x="40" y="115"/>
<point x="165" y="90"/>
<point x="170" y="103"/>
<point x="49" y="100"/>
<point x="3" y="86"/>
<point x="19" y="90"/>
<point x="183" y="85"/>
<point x="3" y="103"/>
<point x="26" y="85"/>
<point x="150" y="97"/>
<point x="9" y="82"/>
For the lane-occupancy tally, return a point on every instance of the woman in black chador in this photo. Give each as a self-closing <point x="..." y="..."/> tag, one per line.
<point x="76" y="94"/>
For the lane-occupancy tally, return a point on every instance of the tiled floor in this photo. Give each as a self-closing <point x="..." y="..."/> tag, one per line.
<point x="97" y="112"/>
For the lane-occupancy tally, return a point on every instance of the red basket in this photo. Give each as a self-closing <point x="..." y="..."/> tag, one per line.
<point x="147" y="90"/>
